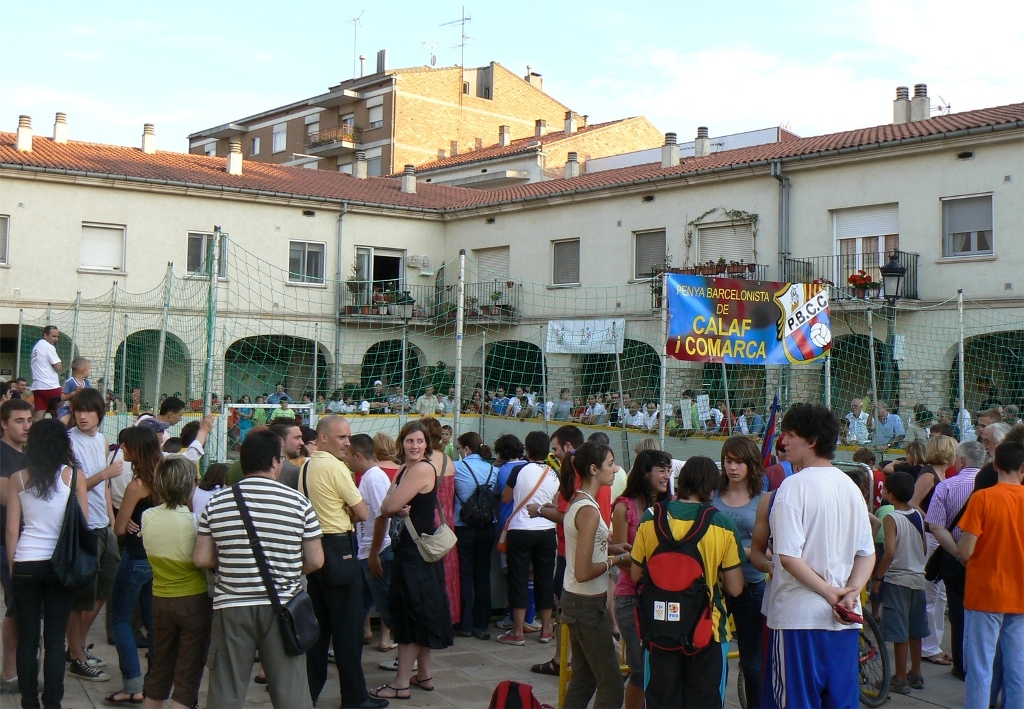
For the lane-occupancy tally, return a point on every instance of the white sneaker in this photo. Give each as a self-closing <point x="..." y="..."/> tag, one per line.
<point x="534" y="627"/>
<point x="505" y="623"/>
<point x="392" y="665"/>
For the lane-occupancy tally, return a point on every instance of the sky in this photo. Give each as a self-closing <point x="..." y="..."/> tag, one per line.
<point x="814" y="67"/>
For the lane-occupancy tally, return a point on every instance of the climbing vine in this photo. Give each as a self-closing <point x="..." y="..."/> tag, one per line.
<point x="735" y="216"/>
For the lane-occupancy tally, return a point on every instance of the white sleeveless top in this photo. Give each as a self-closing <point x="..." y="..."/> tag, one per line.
<point x="593" y="587"/>
<point x="43" y="520"/>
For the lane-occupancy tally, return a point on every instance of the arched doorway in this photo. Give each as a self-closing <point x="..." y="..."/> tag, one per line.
<point x="383" y="361"/>
<point x="254" y="366"/>
<point x="993" y="370"/>
<point x="513" y="363"/>
<point x="746" y="383"/>
<point x="641" y="372"/>
<point x="138" y="369"/>
<point x="851" y="371"/>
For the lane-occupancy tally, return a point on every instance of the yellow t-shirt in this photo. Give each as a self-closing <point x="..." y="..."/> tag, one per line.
<point x="169" y="536"/>
<point x="719" y="548"/>
<point x="328" y="483"/>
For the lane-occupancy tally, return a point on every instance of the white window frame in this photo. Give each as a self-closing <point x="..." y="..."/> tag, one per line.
<point x="94" y="268"/>
<point x="279" y="146"/>
<point x="579" y="264"/>
<point x="371" y="124"/>
<point x="5" y="239"/>
<point x="206" y="236"/>
<point x="306" y="280"/>
<point x="947" y="245"/>
<point x="646" y="276"/>
<point x="312" y="128"/>
<point x="254" y="146"/>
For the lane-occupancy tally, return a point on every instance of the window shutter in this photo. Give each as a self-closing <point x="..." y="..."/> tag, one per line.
<point x="876" y="220"/>
<point x="732" y="242"/>
<point x="102" y="247"/>
<point x="971" y="214"/>
<point x="376" y="115"/>
<point x="567" y="262"/>
<point x="650" y="253"/>
<point x="494" y="263"/>
<point x="5" y="223"/>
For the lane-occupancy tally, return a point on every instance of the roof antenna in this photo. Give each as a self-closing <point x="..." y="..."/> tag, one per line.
<point x="355" y="22"/>
<point x="463" y="20"/>
<point x="944" y="108"/>
<point x="430" y="46"/>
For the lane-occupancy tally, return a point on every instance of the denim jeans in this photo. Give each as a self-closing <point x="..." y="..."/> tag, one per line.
<point x="133" y="583"/>
<point x="375" y="591"/>
<point x="750" y="627"/>
<point x="36" y="594"/>
<point x="475" y="548"/>
<point x="984" y="633"/>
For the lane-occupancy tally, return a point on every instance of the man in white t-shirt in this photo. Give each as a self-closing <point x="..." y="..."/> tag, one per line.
<point x="824" y="554"/>
<point x="45" y="366"/>
<point x="372" y="534"/>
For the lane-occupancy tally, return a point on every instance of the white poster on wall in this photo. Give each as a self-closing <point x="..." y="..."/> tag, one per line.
<point x="586" y="336"/>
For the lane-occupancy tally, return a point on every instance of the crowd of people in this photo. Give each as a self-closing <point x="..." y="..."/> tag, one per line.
<point x="655" y="559"/>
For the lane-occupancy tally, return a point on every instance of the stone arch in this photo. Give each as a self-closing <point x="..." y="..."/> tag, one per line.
<point x="851" y="373"/>
<point x="993" y="370"/>
<point x="383" y="360"/>
<point x="512" y="363"/>
<point x="135" y="364"/>
<point x="641" y="371"/>
<point x="254" y="365"/>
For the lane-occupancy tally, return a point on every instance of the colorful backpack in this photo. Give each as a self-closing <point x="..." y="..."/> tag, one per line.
<point x="510" y="694"/>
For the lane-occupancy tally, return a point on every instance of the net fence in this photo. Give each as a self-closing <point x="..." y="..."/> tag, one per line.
<point x="522" y="356"/>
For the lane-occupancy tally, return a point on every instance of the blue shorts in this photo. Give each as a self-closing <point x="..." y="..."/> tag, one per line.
<point x="903" y="613"/>
<point x="811" y="669"/>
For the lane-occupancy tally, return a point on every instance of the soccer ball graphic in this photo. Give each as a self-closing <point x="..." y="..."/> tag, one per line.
<point x="820" y="335"/>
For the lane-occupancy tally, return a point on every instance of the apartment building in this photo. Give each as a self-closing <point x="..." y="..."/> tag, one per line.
<point x="394" y="116"/>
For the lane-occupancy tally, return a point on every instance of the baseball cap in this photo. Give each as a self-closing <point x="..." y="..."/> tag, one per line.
<point x="378" y="382"/>
<point x="154" y="423"/>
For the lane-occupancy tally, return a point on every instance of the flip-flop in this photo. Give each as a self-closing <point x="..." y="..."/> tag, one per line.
<point x="376" y="693"/>
<point x="941" y="658"/>
<point x="546" y="668"/>
<point x="415" y="681"/>
<point x="129" y="698"/>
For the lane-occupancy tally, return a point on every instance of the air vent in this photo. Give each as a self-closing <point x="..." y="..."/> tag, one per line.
<point x="966" y="155"/>
<point x="647" y="198"/>
<point x="490" y="220"/>
<point x="308" y="213"/>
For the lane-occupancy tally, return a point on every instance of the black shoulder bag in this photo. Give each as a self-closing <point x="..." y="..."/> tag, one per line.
<point x="76" y="557"/>
<point x="933" y="567"/>
<point x="299" y="627"/>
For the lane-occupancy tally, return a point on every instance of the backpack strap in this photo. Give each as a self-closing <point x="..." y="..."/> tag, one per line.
<point x="701" y="522"/>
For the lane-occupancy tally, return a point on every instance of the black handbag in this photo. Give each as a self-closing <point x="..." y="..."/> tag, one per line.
<point x="75" y="559"/>
<point x="299" y="627"/>
<point x="933" y="567"/>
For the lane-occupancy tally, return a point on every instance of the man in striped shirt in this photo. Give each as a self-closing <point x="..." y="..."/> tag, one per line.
<point x="243" y="617"/>
<point x="948" y="499"/>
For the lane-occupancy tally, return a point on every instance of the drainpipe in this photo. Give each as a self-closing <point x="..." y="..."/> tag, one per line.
<point x="776" y="172"/>
<point x="338" y="301"/>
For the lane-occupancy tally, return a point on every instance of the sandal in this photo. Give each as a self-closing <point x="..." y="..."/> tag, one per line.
<point x="916" y="681"/>
<point x="127" y="698"/>
<point x="387" y="648"/>
<point x="899" y="686"/>
<point x="377" y="693"/>
<point x="940" y="659"/>
<point x="415" y="681"/>
<point x="546" y="668"/>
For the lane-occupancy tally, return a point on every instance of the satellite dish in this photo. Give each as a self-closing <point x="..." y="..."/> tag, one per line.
<point x="433" y="60"/>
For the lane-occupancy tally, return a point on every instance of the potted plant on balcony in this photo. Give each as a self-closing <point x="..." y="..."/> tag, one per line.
<point x="400" y="303"/>
<point x="735" y="267"/>
<point x="473" y="306"/>
<point x="355" y="287"/>
<point x="861" y="282"/>
<point x="494" y="308"/>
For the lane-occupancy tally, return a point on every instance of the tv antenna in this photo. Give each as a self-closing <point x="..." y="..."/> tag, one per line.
<point x="944" y="108"/>
<point x="355" y="22"/>
<point x="463" y="20"/>
<point x="430" y="46"/>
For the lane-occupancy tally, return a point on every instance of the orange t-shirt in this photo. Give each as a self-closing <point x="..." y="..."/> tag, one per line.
<point x="996" y="517"/>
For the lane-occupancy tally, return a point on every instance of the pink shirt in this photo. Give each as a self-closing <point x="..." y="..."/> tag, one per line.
<point x="626" y="586"/>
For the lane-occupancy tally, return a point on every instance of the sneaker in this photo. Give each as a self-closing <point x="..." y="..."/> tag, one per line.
<point x="392" y="665"/>
<point x="81" y="670"/>
<point x="534" y="627"/>
<point x="92" y="659"/>
<point x="510" y="638"/>
<point x="9" y="686"/>
<point x="546" y="637"/>
<point x="505" y="623"/>
<point x="481" y="634"/>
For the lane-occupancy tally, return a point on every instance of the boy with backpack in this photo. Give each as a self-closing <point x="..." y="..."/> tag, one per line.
<point x="900" y="576"/>
<point x="475" y="504"/>
<point x="682" y="549"/>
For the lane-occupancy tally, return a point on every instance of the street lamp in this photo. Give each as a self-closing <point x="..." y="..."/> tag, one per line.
<point x="892" y="278"/>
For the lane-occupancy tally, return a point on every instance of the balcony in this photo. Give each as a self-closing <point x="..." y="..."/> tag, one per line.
<point x="491" y="301"/>
<point x="735" y="270"/>
<point x="834" y="271"/>
<point x="333" y="141"/>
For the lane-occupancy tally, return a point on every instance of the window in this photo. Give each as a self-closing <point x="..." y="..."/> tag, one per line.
<point x="566" y="262"/>
<point x="373" y="167"/>
<point x="494" y="262"/>
<point x="648" y="252"/>
<point x="465" y="88"/>
<point x="200" y="254"/>
<point x="967" y="226"/>
<point x="864" y="238"/>
<point x="102" y="247"/>
<point x="280" y="138"/>
<point x="5" y="226"/>
<point x="305" y="262"/>
<point x="211" y="150"/>
<point x="254" y="146"/>
<point x="312" y="129"/>
<point x="732" y="242"/>
<point x="376" y="116"/>
<point x="345" y="167"/>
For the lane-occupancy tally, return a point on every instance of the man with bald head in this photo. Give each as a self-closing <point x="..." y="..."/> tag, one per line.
<point x="336" y="589"/>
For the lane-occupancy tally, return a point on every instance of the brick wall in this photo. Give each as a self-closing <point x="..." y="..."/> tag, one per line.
<point x="622" y="137"/>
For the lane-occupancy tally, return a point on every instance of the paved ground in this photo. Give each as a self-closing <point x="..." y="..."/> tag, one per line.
<point x="465" y="676"/>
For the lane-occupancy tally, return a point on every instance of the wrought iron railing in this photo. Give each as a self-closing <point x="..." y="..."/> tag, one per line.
<point x="489" y="299"/>
<point x="835" y="272"/>
<point x="345" y="133"/>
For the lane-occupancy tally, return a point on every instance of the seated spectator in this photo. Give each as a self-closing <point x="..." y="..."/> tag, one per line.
<point x="561" y="410"/>
<point x="500" y="402"/>
<point x="633" y="418"/>
<point x="427" y="404"/>
<point x="595" y="413"/>
<point x="376" y="402"/>
<point x="398" y="400"/>
<point x="282" y="411"/>
<point x="917" y="428"/>
<point x="751" y="423"/>
<point x="651" y="418"/>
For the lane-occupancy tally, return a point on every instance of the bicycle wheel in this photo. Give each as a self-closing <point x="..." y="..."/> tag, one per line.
<point x="873" y="664"/>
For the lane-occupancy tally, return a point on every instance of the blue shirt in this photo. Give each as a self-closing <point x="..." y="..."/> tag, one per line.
<point x="561" y="410"/>
<point x="756" y="425"/>
<point x="505" y="509"/>
<point x="889" y="429"/>
<point x="499" y="405"/>
<point x="276" y="398"/>
<point x="69" y="386"/>
<point x="471" y="472"/>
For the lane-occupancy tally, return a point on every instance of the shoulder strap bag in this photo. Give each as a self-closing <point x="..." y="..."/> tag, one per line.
<point x="433" y="547"/>
<point x="503" y="537"/>
<point x="299" y="627"/>
<point x="933" y="567"/>
<point x="75" y="559"/>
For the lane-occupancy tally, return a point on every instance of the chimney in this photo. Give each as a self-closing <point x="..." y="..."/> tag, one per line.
<point x="359" y="170"/>
<point x="702" y="146"/>
<point x="60" y="128"/>
<point x="670" y="151"/>
<point x="453" y="147"/>
<point x="362" y="65"/>
<point x="23" y="143"/>
<point x="540" y="127"/>
<point x="478" y="143"/>
<point x="382" y="61"/>
<point x="920" y="105"/>
<point x="572" y="166"/>
<point x="409" y="180"/>
<point x="504" y="135"/>
<point x="901" y="106"/>
<point x="570" y="122"/>
<point x="533" y="78"/>
<point x="234" y="164"/>
<point x="148" y="139"/>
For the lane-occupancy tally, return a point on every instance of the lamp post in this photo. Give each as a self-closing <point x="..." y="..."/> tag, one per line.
<point x="893" y="274"/>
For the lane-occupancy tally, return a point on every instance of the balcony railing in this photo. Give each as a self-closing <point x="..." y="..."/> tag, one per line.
<point x="495" y="300"/>
<point x="344" y="133"/>
<point x="741" y="271"/>
<point x="836" y="270"/>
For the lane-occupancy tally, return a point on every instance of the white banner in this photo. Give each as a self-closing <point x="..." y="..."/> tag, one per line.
<point x="586" y="336"/>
